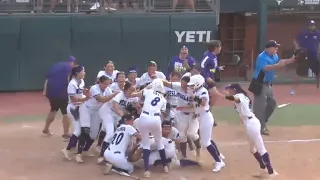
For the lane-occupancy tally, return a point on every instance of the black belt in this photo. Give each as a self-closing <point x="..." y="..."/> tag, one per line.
<point x="250" y="117"/>
<point x="155" y="114"/>
<point x="174" y="106"/>
<point x="186" y="113"/>
<point x="117" y="152"/>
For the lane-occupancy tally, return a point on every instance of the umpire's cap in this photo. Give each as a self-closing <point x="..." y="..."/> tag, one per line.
<point x="213" y="44"/>
<point x="272" y="43"/>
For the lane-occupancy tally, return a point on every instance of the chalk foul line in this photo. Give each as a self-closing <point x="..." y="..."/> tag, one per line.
<point x="242" y="143"/>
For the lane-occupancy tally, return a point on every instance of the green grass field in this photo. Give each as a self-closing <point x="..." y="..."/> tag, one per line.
<point x="293" y="115"/>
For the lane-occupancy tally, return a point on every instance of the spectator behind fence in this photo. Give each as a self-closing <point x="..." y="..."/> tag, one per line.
<point x="261" y="85"/>
<point x="189" y="4"/>
<point x="55" y="89"/>
<point x="181" y="63"/>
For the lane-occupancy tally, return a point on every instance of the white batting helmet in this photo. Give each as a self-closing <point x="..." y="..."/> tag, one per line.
<point x="196" y="81"/>
<point x="157" y="85"/>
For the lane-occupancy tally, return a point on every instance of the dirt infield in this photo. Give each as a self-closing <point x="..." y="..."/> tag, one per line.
<point x="27" y="155"/>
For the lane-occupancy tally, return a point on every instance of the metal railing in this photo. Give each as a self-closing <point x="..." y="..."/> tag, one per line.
<point x="108" y="6"/>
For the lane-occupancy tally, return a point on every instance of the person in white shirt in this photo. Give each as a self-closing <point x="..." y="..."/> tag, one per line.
<point x="172" y="97"/>
<point x="206" y="120"/>
<point x="187" y="125"/>
<point x="151" y="74"/>
<point x="109" y="71"/>
<point x="243" y="106"/>
<point x="133" y="76"/>
<point x="112" y="113"/>
<point x="119" y="82"/>
<point x="77" y="96"/>
<point x="150" y="121"/>
<point x="116" y="154"/>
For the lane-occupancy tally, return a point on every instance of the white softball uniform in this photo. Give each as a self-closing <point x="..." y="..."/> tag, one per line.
<point x="251" y="123"/>
<point x="187" y="125"/>
<point x="172" y="99"/>
<point x="110" y="119"/>
<point x="150" y="120"/>
<point x="105" y="108"/>
<point x="136" y="83"/>
<point x="205" y="117"/>
<point x="110" y="76"/>
<point x="145" y="78"/>
<point x="90" y="111"/>
<point x="115" y="87"/>
<point x="169" y="147"/>
<point x="75" y="88"/>
<point x="116" y="152"/>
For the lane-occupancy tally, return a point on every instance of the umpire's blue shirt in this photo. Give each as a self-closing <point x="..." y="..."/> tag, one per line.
<point x="262" y="60"/>
<point x="57" y="78"/>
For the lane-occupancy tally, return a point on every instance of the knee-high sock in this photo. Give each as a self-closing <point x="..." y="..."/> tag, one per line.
<point x="212" y="150"/>
<point x="72" y="142"/>
<point x="266" y="161"/>
<point x="163" y="157"/>
<point x="183" y="149"/>
<point x="146" y="155"/>
<point x="82" y="142"/>
<point x="259" y="159"/>
<point x="102" y="134"/>
<point x="104" y="147"/>
<point x="88" y="144"/>
<point x="215" y="146"/>
<point x="197" y="143"/>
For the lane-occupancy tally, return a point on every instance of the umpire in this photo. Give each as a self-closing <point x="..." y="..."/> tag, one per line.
<point x="261" y="85"/>
<point x="55" y="89"/>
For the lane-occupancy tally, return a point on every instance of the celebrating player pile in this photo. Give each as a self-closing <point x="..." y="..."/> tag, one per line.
<point x="154" y="122"/>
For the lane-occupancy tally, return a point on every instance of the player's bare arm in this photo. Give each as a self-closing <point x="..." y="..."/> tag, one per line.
<point x="167" y="83"/>
<point x="116" y="108"/>
<point x="104" y="99"/>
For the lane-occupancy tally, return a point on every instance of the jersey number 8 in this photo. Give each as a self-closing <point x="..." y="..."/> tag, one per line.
<point x="155" y="101"/>
<point x="117" y="138"/>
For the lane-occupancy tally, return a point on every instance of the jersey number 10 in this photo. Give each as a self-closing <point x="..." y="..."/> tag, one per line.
<point x="117" y="138"/>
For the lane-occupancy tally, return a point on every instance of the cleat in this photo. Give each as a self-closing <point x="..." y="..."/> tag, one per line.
<point x="100" y="160"/>
<point x="65" y="153"/>
<point x="271" y="176"/>
<point x="218" y="166"/>
<point x="88" y="154"/>
<point x="147" y="174"/>
<point x="79" y="158"/>
<point x="166" y="169"/>
<point x="260" y="173"/>
<point x="107" y="169"/>
<point x="221" y="156"/>
<point x="47" y="132"/>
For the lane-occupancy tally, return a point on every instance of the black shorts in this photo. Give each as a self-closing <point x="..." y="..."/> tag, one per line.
<point x="57" y="103"/>
<point x="314" y="65"/>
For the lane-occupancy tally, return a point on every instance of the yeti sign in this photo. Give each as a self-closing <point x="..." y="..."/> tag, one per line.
<point x="193" y="36"/>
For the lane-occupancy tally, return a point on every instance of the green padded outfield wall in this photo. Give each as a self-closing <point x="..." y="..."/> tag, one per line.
<point x="30" y="45"/>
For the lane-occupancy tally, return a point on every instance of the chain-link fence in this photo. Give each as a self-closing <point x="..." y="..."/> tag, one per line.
<point x="106" y="6"/>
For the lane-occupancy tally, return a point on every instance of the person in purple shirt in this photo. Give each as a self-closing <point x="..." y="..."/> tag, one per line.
<point x="55" y="89"/>
<point x="209" y="67"/>
<point x="181" y="63"/>
<point x="309" y="39"/>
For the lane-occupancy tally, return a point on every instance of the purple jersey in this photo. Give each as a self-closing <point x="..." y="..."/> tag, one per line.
<point x="310" y="41"/>
<point x="209" y="65"/>
<point x="176" y="64"/>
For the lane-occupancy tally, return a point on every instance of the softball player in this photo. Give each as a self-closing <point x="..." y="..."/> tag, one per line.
<point x="115" y="155"/>
<point x="150" y="121"/>
<point x="242" y="103"/>
<point x="187" y="125"/>
<point x="90" y="112"/>
<point x="151" y="74"/>
<point x="109" y="71"/>
<point x="112" y="113"/>
<point x="76" y="96"/>
<point x="172" y="98"/>
<point x="206" y="120"/>
<point x="132" y="76"/>
<point x="120" y="80"/>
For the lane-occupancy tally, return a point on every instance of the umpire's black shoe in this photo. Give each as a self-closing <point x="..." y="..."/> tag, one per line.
<point x="265" y="132"/>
